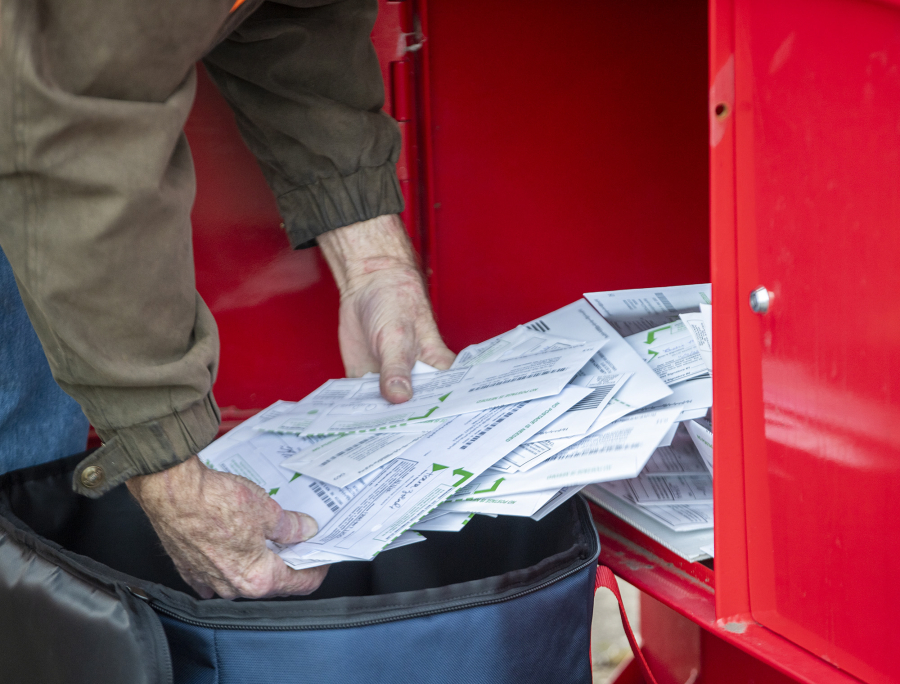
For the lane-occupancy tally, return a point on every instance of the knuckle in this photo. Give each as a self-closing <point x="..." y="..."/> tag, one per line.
<point x="287" y="525"/>
<point x="254" y="585"/>
<point x="277" y="515"/>
<point x="253" y="590"/>
<point x="310" y="580"/>
<point x="243" y="497"/>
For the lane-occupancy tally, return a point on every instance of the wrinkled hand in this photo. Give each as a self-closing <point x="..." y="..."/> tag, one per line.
<point x="214" y="526"/>
<point x="386" y="321"/>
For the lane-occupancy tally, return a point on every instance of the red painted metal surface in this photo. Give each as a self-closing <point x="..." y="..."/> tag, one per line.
<point x="733" y="595"/>
<point x="818" y="208"/>
<point x="568" y="154"/>
<point x="393" y="37"/>
<point x="671" y="643"/>
<point x="628" y="673"/>
<point x="722" y="662"/>
<point x="686" y="595"/>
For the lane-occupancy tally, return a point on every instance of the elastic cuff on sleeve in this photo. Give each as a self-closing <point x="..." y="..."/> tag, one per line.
<point x="147" y="448"/>
<point x="340" y="201"/>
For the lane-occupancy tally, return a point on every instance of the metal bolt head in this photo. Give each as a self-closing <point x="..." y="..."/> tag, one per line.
<point x="140" y="593"/>
<point x="760" y="299"/>
<point x="92" y="476"/>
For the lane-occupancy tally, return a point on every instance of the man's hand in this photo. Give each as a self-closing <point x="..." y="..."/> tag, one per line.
<point x="215" y="525"/>
<point x="385" y="319"/>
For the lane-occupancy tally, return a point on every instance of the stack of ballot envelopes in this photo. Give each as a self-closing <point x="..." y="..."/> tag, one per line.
<point x="611" y="391"/>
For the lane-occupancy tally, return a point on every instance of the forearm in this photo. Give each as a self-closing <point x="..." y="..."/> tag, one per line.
<point x="355" y="251"/>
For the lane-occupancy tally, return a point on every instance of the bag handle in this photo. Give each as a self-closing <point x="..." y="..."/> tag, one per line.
<point x="606" y="578"/>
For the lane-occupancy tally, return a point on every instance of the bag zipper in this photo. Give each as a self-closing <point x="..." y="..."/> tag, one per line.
<point x="162" y="640"/>
<point x="139" y="593"/>
<point x="587" y="528"/>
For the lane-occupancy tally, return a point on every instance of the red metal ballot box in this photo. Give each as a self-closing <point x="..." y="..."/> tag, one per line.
<point x="552" y="149"/>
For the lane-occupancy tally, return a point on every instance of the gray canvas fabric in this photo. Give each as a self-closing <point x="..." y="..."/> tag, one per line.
<point x="96" y="185"/>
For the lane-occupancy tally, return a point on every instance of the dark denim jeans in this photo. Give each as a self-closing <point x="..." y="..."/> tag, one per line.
<point x="38" y="421"/>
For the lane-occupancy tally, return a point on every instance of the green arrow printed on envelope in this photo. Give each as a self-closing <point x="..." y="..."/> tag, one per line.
<point x="493" y="488"/>
<point x="430" y="411"/>
<point x="650" y="335"/>
<point x="464" y="475"/>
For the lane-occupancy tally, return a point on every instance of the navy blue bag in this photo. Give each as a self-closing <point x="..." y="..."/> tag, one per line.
<point x="87" y="595"/>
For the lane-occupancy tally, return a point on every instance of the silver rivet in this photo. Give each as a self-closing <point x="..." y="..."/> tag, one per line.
<point x="92" y="476"/>
<point x="760" y="299"/>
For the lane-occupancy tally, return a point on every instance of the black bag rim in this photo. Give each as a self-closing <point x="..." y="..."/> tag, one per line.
<point x="330" y="613"/>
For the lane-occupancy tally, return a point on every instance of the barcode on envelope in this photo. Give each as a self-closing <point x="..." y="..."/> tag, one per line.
<point x="327" y="500"/>
<point x="518" y="378"/>
<point x="594" y="399"/>
<point x="481" y="433"/>
<point x="606" y="448"/>
<point x="665" y="302"/>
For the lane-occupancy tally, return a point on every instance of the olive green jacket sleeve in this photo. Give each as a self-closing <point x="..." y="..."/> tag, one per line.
<point x="96" y="187"/>
<point x="306" y="89"/>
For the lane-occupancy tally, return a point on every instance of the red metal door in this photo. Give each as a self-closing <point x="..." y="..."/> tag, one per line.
<point x="817" y="125"/>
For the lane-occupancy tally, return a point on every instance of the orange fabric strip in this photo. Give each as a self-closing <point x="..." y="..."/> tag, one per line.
<point x="237" y="4"/>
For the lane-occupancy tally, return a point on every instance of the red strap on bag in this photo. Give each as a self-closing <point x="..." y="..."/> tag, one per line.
<point x="606" y="578"/>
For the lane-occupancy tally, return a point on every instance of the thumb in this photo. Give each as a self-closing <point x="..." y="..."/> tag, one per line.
<point x="397" y="359"/>
<point x="292" y="528"/>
